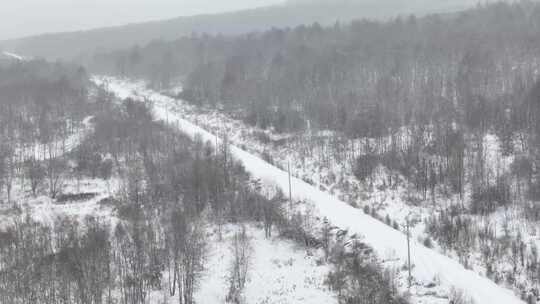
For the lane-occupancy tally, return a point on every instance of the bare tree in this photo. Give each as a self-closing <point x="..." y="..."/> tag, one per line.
<point x="7" y="167"/>
<point x="187" y="254"/>
<point x="35" y="173"/>
<point x="241" y="252"/>
<point x="55" y="168"/>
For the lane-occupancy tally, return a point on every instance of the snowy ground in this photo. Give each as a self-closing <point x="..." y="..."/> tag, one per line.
<point x="280" y="273"/>
<point x="48" y="211"/>
<point x="390" y="245"/>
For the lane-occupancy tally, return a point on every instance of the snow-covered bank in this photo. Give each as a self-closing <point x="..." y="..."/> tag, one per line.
<point x="389" y="244"/>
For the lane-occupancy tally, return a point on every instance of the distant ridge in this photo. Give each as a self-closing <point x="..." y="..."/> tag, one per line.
<point x="82" y="44"/>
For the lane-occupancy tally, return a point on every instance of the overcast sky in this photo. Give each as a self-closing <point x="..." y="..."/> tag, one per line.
<point x="28" y="17"/>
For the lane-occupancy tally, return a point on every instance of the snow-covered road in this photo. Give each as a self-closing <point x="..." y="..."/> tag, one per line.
<point x="429" y="265"/>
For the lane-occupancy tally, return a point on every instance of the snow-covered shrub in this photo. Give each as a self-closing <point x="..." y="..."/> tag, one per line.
<point x="357" y="279"/>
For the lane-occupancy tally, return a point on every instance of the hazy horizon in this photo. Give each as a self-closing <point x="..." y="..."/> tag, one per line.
<point x="33" y="17"/>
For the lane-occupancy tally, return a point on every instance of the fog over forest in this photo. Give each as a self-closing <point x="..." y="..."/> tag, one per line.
<point x="32" y="17"/>
<point x="277" y="152"/>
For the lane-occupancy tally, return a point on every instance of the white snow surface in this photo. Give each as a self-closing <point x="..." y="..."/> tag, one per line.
<point x="279" y="273"/>
<point x="14" y="56"/>
<point x="389" y="244"/>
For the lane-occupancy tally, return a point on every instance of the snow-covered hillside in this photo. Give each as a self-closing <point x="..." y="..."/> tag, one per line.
<point x="390" y="245"/>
